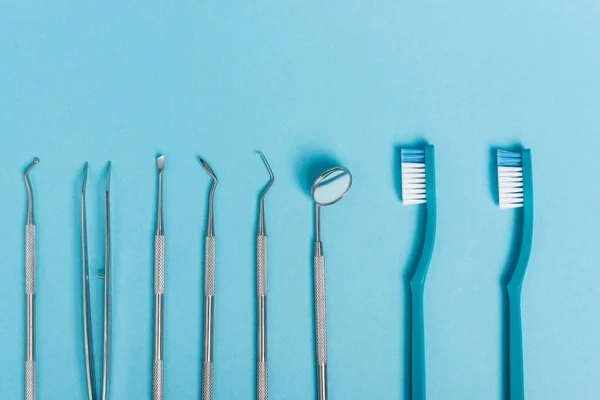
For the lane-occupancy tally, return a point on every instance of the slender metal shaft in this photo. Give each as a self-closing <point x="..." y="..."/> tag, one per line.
<point x="107" y="296"/>
<point x="30" y="289"/>
<point x="317" y="224"/>
<point x="87" y="321"/>
<point x="159" y="290"/>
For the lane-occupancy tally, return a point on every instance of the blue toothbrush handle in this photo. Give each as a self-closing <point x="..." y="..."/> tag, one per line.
<point x="515" y="344"/>
<point x="417" y="384"/>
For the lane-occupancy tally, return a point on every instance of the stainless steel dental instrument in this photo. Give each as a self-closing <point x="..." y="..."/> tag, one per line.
<point x="30" y="271"/>
<point x="328" y="189"/>
<point x="209" y="290"/>
<point x="87" y="323"/>
<point x="159" y="291"/>
<point x="261" y="288"/>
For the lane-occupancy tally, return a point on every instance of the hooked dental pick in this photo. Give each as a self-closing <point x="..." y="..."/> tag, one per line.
<point x="209" y="290"/>
<point x="262" y="386"/>
<point x="30" y="270"/>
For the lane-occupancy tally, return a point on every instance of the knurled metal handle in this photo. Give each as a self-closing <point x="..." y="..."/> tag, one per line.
<point x="159" y="264"/>
<point x="30" y="259"/>
<point x="262" y="381"/>
<point x="158" y="383"/>
<point x="320" y="309"/>
<point x="30" y="389"/>
<point x="261" y="265"/>
<point x="207" y="381"/>
<point x="209" y="265"/>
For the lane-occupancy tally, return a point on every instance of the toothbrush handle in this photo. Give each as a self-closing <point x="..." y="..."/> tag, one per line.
<point x="262" y="388"/>
<point x="210" y="263"/>
<point x="321" y="322"/>
<point x="30" y="264"/>
<point x="417" y="344"/>
<point x="515" y="344"/>
<point x="159" y="292"/>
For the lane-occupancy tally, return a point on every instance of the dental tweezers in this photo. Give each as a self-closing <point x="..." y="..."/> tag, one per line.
<point x="30" y="266"/>
<point x="87" y="322"/>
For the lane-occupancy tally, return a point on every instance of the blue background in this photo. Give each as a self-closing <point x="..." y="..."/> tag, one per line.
<point x="303" y="81"/>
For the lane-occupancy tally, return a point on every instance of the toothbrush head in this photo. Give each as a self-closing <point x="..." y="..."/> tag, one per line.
<point x="414" y="190"/>
<point x="510" y="179"/>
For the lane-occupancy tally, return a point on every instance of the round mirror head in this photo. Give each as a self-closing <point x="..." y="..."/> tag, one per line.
<point x="331" y="186"/>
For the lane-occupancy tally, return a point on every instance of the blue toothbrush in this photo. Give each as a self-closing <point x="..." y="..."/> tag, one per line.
<point x="515" y="190"/>
<point x="418" y="187"/>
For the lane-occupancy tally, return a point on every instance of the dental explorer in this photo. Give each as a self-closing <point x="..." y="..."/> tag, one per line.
<point x="159" y="291"/>
<point x="209" y="290"/>
<point x="87" y="322"/>
<point x="30" y="270"/>
<point x="262" y="387"/>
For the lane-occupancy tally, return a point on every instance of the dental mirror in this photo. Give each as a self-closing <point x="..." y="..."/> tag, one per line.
<point x="329" y="188"/>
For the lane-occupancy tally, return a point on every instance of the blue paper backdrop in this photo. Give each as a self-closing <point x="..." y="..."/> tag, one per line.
<point x="303" y="81"/>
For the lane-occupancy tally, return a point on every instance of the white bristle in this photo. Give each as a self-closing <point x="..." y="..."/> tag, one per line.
<point x="414" y="189"/>
<point x="510" y="179"/>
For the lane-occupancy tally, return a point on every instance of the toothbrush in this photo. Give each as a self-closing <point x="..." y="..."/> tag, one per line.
<point x="30" y="271"/>
<point x="418" y="187"/>
<point x="515" y="190"/>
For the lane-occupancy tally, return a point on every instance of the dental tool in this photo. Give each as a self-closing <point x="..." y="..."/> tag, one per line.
<point x="107" y="321"/>
<point x="30" y="271"/>
<point x="159" y="291"/>
<point x="209" y="290"/>
<point x="261" y="288"/>
<point x="328" y="189"/>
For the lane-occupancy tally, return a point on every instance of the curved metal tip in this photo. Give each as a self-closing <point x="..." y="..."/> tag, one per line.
<point x="30" y="216"/>
<point x="108" y="176"/>
<point x="272" y="177"/>
<point x="207" y="168"/>
<point x="33" y="163"/>
<point x="85" y="174"/>
<point x="160" y="161"/>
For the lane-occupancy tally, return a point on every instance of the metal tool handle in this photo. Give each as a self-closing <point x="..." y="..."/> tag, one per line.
<point x="261" y="288"/>
<point x="158" y="383"/>
<point x="159" y="290"/>
<point x="210" y="263"/>
<point x="30" y="387"/>
<point x="321" y="325"/>
<point x="261" y="265"/>
<point x="30" y="264"/>
<point x="30" y="259"/>
<point x="159" y="264"/>
<point x="207" y="381"/>
<point x="262" y="388"/>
